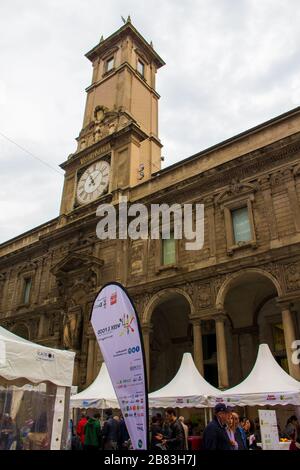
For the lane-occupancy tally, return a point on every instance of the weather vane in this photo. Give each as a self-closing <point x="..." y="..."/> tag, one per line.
<point x="126" y="21"/>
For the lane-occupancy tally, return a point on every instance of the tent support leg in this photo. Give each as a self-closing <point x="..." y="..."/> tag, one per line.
<point x="59" y="417"/>
<point x="205" y="416"/>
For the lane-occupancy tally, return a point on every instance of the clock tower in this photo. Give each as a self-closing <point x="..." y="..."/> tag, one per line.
<point x="118" y="146"/>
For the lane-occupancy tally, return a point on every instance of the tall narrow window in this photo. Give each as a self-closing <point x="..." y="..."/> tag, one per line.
<point x="141" y="67"/>
<point x="169" y="251"/>
<point x="110" y="64"/>
<point x="241" y="225"/>
<point x="26" y="291"/>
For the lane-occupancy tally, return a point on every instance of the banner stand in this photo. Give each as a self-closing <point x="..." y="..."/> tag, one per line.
<point x="118" y="331"/>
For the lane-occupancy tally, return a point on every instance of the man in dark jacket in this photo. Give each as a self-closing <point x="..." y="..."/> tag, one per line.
<point x="176" y="439"/>
<point x="111" y="429"/>
<point x="215" y="436"/>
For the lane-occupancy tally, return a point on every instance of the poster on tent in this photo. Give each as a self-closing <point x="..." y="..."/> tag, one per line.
<point x="116" y="326"/>
<point x="268" y="429"/>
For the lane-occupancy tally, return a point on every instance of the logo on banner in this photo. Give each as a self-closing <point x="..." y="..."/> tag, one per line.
<point x="127" y="323"/>
<point x="113" y="298"/>
<point x="102" y="303"/>
<point x="133" y="350"/>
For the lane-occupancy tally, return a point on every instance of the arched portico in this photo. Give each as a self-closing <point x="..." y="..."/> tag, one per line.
<point x="250" y="298"/>
<point x="167" y="334"/>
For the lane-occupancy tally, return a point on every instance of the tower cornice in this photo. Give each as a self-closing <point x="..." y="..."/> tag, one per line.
<point x="127" y="29"/>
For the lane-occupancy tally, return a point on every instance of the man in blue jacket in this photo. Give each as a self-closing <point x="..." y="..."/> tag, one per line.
<point x="215" y="436"/>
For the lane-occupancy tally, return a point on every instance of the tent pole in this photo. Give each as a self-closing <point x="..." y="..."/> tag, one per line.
<point x="205" y="417"/>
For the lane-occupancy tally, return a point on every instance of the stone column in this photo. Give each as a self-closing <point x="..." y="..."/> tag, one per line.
<point x="90" y="361"/>
<point x="146" y="330"/>
<point x="42" y="326"/>
<point x="221" y="351"/>
<point x="98" y="359"/>
<point x="198" y="349"/>
<point x="289" y="337"/>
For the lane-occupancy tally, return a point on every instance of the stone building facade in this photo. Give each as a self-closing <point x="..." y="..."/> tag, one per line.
<point x="242" y="288"/>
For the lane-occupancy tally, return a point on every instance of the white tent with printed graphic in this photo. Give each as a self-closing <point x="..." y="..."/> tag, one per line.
<point x="23" y="362"/>
<point x="267" y="384"/>
<point x="188" y="389"/>
<point x="41" y="376"/>
<point x="100" y="394"/>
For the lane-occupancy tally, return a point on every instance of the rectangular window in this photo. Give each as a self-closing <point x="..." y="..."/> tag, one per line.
<point x="110" y="64"/>
<point x="141" y="67"/>
<point x="26" y="291"/>
<point x="169" y="251"/>
<point x="241" y="225"/>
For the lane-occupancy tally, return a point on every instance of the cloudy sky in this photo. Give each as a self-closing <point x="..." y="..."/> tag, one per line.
<point x="230" y="65"/>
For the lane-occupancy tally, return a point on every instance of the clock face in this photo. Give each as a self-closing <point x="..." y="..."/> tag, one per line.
<point x="93" y="182"/>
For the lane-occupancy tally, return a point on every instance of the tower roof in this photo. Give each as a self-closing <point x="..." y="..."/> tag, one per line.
<point x="126" y="29"/>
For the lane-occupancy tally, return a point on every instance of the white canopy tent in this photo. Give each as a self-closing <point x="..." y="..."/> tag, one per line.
<point x="267" y="384"/>
<point x="188" y="389"/>
<point x="22" y="362"/>
<point x="24" y="365"/>
<point x="100" y="394"/>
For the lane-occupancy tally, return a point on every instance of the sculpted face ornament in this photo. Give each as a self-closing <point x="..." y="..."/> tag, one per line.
<point x="99" y="113"/>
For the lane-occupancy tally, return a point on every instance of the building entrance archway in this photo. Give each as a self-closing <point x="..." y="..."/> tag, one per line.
<point x="171" y="337"/>
<point x="249" y="300"/>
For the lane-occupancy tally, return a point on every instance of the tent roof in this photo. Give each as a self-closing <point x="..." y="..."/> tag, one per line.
<point x="267" y="376"/>
<point x="22" y="361"/>
<point x="187" y="389"/>
<point x="267" y="383"/>
<point x="100" y="394"/>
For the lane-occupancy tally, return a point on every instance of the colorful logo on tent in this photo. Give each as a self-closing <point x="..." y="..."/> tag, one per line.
<point x="127" y="323"/>
<point x="271" y="397"/>
<point x="113" y="298"/>
<point x="140" y="443"/>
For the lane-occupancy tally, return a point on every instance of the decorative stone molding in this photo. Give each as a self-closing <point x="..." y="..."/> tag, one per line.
<point x="204" y="296"/>
<point x="236" y="188"/>
<point x="77" y="269"/>
<point x="26" y="268"/>
<point x="140" y="302"/>
<point x="292" y="275"/>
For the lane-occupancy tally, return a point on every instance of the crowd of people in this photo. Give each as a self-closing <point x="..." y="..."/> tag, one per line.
<point x="89" y="435"/>
<point x="226" y="431"/>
